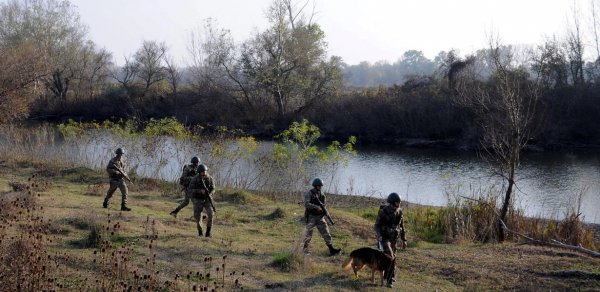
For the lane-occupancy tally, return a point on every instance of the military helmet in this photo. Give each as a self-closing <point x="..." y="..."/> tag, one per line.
<point x="393" y="198"/>
<point x="202" y="168"/>
<point x="317" y="182"/>
<point x="195" y="160"/>
<point x="120" y="151"/>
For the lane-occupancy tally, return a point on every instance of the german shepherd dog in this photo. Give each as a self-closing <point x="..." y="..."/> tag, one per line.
<point x="376" y="260"/>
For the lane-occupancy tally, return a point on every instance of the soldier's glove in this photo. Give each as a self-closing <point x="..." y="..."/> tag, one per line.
<point x="404" y="244"/>
<point x="319" y="211"/>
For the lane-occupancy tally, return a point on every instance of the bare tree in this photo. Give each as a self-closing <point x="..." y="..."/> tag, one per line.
<point x="148" y="60"/>
<point x="595" y="27"/>
<point x="505" y="108"/>
<point x="173" y="73"/>
<point x="575" y="50"/>
<point x="284" y="66"/>
<point x="550" y="64"/>
<point x="126" y="74"/>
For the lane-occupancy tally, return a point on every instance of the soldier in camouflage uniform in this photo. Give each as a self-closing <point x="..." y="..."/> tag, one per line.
<point x="189" y="171"/>
<point x="389" y="226"/>
<point x="314" y="215"/>
<point x="200" y="192"/>
<point x="115" y="169"/>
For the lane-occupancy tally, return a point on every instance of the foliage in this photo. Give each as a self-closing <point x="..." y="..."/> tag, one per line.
<point x="426" y="223"/>
<point x="299" y="147"/>
<point x="165" y="127"/>
<point x="287" y="261"/>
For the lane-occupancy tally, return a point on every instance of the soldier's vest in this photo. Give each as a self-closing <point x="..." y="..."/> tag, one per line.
<point x="200" y="184"/>
<point x="112" y="170"/>
<point x="313" y="200"/>
<point x="390" y="222"/>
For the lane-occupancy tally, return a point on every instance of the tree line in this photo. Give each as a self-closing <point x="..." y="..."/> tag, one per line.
<point x="50" y="71"/>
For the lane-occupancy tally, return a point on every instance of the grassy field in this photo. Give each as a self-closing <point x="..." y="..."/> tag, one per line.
<point x="54" y="227"/>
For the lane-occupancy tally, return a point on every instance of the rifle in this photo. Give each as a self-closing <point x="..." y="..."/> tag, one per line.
<point x="324" y="210"/>
<point x="123" y="173"/>
<point x="210" y="198"/>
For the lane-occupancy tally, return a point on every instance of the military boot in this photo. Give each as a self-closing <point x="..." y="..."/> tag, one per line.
<point x="332" y="250"/>
<point x="105" y="204"/>
<point x="199" y="231"/>
<point x="124" y="208"/>
<point x="208" y="231"/>
<point x="174" y="213"/>
<point x="305" y="249"/>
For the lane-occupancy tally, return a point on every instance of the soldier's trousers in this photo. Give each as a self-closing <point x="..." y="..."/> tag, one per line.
<point x="319" y="222"/>
<point x="389" y="246"/>
<point x="120" y="184"/>
<point x="185" y="202"/>
<point x="202" y="205"/>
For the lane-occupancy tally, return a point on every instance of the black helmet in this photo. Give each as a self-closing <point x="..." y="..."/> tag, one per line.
<point x="317" y="182"/>
<point x="120" y="151"/>
<point x="195" y="160"/>
<point x="202" y="168"/>
<point x="393" y="198"/>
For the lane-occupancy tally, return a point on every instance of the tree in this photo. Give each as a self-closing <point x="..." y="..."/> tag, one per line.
<point x="575" y="50"/>
<point x="53" y="27"/>
<point x="550" y="65"/>
<point x="20" y="68"/>
<point x="505" y="108"/>
<point x="173" y="74"/>
<point x="285" y="64"/>
<point x="148" y="60"/>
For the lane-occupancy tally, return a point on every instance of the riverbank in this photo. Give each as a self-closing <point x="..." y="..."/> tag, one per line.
<point x="256" y="238"/>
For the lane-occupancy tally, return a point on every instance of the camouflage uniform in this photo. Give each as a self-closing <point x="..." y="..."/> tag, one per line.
<point x="188" y="173"/>
<point x="389" y="225"/>
<point x="200" y="191"/>
<point x="117" y="180"/>
<point x="315" y="217"/>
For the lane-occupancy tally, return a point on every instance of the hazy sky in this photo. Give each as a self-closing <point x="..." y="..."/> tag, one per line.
<point x="356" y="30"/>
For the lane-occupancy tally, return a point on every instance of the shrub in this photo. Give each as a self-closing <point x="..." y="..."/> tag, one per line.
<point x="287" y="261"/>
<point x="277" y="214"/>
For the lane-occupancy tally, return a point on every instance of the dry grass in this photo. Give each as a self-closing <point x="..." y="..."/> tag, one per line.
<point x="72" y="243"/>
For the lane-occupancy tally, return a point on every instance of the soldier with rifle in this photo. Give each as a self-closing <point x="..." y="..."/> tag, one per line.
<point x="200" y="191"/>
<point x="389" y="227"/>
<point x="315" y="214"/>
<point x="117" y="176"/>
<point x="189" y="172"/>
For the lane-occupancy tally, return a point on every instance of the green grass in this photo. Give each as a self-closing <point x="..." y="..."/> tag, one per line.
<point x="260" y="238"/>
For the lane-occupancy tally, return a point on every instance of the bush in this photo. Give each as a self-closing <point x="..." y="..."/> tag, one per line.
<point x="287" y="261"/>
<point x="277" y="214"/>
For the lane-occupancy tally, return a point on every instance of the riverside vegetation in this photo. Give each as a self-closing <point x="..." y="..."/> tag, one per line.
<point x="54" y="235"/>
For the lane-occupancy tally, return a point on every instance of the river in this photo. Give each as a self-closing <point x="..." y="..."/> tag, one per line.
<point x="548" y="182"/>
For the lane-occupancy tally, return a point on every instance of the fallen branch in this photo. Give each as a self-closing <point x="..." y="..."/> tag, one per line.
<point x="555" y="243"/>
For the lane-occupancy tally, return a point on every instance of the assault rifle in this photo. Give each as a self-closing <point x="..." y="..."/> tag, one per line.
<point x="324" y="210"/>
<point x="122" y="173"/>
<point x="210" y="198"/>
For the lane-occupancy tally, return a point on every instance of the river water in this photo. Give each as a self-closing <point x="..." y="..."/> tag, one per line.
<point x="549" y="183"/>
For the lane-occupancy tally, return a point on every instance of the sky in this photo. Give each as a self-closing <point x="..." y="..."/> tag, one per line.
<point x="356" y="30"/>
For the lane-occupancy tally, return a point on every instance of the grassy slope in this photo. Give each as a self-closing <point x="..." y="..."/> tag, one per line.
<point x="251" y="239"/>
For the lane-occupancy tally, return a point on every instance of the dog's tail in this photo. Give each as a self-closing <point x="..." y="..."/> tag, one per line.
<point x="347" y="263"/>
